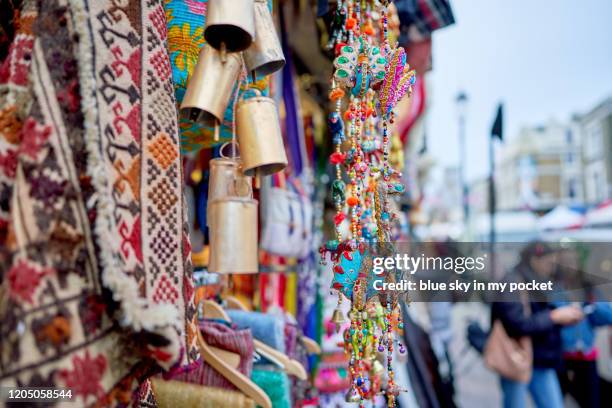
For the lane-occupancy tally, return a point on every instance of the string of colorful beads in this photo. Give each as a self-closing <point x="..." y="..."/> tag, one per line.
<point x="374" y="76"/>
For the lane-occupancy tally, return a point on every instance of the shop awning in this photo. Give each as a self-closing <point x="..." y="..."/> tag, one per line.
<point x="600" y="216"/>
<point x="561" y="218"/>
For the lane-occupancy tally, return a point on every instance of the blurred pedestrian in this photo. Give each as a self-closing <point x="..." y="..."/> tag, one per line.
<point x="538" y="320"/>
<point x="441" y="335"/>
<point x="578" y="374"/>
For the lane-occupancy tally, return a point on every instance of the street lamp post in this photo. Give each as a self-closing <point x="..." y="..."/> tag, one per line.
<point x="462" y="101"/>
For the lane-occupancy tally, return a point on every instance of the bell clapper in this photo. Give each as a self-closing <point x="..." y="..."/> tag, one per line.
<point x="223" y="51"/>
<point x="257" y="179"/>
<point x="216" y="131"/>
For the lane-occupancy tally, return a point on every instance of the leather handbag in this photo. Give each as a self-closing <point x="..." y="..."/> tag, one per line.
<point x="509" y="357"/>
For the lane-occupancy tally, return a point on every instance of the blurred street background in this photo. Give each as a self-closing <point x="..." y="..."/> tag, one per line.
<point x="512" y="143"/>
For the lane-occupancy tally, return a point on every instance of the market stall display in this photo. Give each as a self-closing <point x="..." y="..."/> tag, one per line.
<point x="131" y="131"/>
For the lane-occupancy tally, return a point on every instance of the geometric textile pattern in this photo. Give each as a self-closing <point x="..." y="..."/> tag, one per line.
<point x="56" y="328"/>
<point x="125" y="73"/>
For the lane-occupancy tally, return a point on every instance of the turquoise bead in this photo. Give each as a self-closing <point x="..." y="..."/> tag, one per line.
<point x="338" y="190"/>
<point x="332" y="244"/>
<point x="342" y="73"/>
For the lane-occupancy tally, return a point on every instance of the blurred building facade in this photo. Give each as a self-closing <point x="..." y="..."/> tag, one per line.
<point x="596" y="129"/>
<point x="450" y="194"/>
<point x="558" y="163"/>
<point x="566" y="163"/>
<point x="540" y="168"/>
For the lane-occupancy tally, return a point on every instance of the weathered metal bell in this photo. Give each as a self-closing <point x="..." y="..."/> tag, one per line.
<point x="210" y="87"/>
<point x="377" y="367"/>
<point x="352" y="395"/>
<point x="265" y="55"/>
<point x="233" y="235"/>
<point x="338" y="318"/>
<point x="259" y="136"/>
<point x="230" y="24"/>
<point x="227" y="180"/>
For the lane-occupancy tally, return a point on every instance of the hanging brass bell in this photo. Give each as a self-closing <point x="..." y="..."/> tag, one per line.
<point x="265" y="55"/>
<point x="338" y="318"/>
<point x="259" y="136"/>
<point x="230" y="25"/>
<point x="352" y="395"/>
<point x="377" y="367"/>
<point x="210" y="87"/>
<point x="227" y="180"/>
<point x="233" y="235"/>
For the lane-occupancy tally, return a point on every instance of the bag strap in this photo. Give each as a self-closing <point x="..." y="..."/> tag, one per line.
<point x="296" y="186"/>
<point x="294" y="126"/>
<point x="526" y="303"/>
<point x="279" y="180"/>
<point x="524" y="298"/>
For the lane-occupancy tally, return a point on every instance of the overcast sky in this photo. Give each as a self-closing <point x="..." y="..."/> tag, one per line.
<point x="543" y="58"/>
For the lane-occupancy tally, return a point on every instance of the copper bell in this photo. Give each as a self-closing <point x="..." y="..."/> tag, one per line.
<point x="227" y="180"/>
<point x="338" y="318"/>
<point x="230" y="24"/>
<point x="259" y="136"/>
<point x="233" y="235"/>
<point x="210" y="87"/>
<point x="265" y="55"/>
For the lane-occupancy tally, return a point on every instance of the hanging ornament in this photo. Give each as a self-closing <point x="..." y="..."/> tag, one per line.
<point x="359" y="68"/>
<point x="370" y="77"/>
<point x="398" y="81"/>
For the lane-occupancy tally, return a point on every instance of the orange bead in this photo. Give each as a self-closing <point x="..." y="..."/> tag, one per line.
<point x="348" y="115"/>
<point x="350" y="23"/>
<point x="368" y="29"/>
<point x="336" y="94"/>
<point x="352" y="201"/>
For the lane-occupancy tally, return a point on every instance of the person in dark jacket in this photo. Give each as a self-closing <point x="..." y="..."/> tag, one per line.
<point x="578" y="375"/>
<point x="542" y="323"/>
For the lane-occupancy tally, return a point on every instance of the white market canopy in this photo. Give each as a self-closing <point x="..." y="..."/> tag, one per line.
<point x="510" y="226"/>
<point x="561" y="218"/>
<point x="600" y="216"/>
<point x="509" y="221"/>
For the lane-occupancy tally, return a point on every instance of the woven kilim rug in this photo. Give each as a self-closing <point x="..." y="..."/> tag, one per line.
<point x="134" y="160"/>
<point x="95" y="275"/>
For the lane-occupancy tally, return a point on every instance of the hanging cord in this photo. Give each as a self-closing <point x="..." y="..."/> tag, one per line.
<point x="241" y="80"/>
